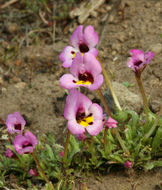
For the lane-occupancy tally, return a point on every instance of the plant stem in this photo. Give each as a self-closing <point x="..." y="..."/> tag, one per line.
<point x="108" y="82"/>
<point x="66" y="147"/>
<point x="114" y="130"/>
<point x="42" y="172"/>
<point x="145" y="103"/>
<point x="104" y="102"/>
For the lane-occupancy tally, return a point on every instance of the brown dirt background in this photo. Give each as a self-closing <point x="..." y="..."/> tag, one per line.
<point x="29" y="81"/>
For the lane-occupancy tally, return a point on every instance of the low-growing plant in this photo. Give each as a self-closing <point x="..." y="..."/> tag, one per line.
<point x="97" y="139"/>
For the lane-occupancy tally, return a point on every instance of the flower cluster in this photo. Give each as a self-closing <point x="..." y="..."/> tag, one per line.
<point x="23" y="143"/>
<point x="85" y="70"/>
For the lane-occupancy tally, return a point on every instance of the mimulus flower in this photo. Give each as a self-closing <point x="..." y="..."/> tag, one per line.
<point x="81" y="137"/>
<point x="128" y="164"/>
<point x="139" y="59"/>
<point x="15" y="123"/>
<point x="62" y="153"/>
<point x="25" y="144"/>
<point x="82" y="114"/>
<point x="33" y="172"/>
<point x="111" y="123"/>
<point x="81" y="42"/>
<point x="85" y="71"/>
<point x="10" y="154"/>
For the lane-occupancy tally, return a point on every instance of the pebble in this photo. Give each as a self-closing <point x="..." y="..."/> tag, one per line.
<point x="1" y="70"/>
<point x="114" y="53"/>
<point x="156" y="48"/>
<point x="116" y="46"/>
<point x="121" y="37"/>
<point x="155" y="105"/>
<point x="147" y="5"/>
<point x="20" y="85"/>
<point x="108" y="8"/>
<point x="127" y="98"/>
<point x="12" y="28"/>
<point x="111" y="19"/>
<point x="1" y="80"/>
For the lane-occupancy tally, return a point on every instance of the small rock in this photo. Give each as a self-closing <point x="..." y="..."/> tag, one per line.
<point x="127" y="99"/>
<point x="116" y="46"/>
<point x="158" y="5"/>
<point x="114" y="53"/>
<point x="12" y="28"/>
<point x="147" y="5"/>
<point x="4" y="90"/>
<point x="108" y="8"/>
<point x="121" y="37"/>
<point x="1" y="70"/>
<point x="1" y="80"/>
<point x="94" y="14"/>
<point x="156" y="48"/>
<point x="111" y="19"/>
<point x="20" y="85"/>
<point x="155" y="106"/>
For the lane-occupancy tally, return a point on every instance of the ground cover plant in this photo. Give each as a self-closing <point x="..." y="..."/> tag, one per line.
<point x="97" y="138"/>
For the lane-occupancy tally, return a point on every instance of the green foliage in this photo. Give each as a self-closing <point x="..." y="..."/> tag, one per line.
<point x="90" y="154"/>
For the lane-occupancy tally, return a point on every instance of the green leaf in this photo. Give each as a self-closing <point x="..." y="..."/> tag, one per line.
<point x="73" y="148"/>
<point x="157" y="140"/>
<point x="127" y="84"/>
<point x="50" y="152"/>
<point x="151" y="165"/>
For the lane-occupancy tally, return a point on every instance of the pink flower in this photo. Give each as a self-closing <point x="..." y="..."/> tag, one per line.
<point x="62" y="153"/>
<point x="10" y="154"/>
<point x="139" y="59"/>
<point x="85" y="71"/>
<point x="111" y="123"/>
<point x="81" y="42"/>
<point x="33" y="172"/>
<point x="82" y="114"/>
<point x="25" y="144"/>
<point x="81" y="137"/>
<point x="15" y="123"/>
<point x="128" y="164"/>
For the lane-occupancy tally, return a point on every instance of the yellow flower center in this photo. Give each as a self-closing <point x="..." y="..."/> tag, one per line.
<point x="83" y="82"/>
<point x="86" y="121"/>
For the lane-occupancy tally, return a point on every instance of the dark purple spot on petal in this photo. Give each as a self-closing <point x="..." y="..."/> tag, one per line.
<point x="80" y="116"/>
<point x="138" y="63"/>
<point x="72" y="52"/>
<point x="83" y="48"/>
<point x="91" y="123"/>
<point x="86" y="77"/>
<point x="74" y="81"/>
<point x="17" y="126"/>
<point x="26" y="144"/>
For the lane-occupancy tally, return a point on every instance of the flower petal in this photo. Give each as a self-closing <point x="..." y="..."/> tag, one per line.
<point x="67" y="56"/>
<point x="95" y="128"/>
<point x="137" y="54"/>
<point x="96" y="111"/>
<point x="148" y="56"/>
<point x="75" y="128"/>
<point x="74" y="101"/>
<point x="66" y="81"/>
<point x="90" y="37"/>
<point x="93" y="51"/>
<point x="97" y="83"/>
<point x="77" y="66"/>
<point x="77" y="36"/>
<point x="32" y="138"/>
<point x="91" y="64"/>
